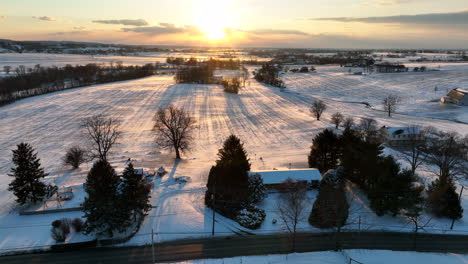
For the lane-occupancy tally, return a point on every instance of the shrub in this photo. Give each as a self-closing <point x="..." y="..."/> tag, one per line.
<point x="257" y="190"/>
<point x="75" y="156"/>
<point x="65" y="225"/>
<point x="77" y="224"/>
<point x="443" y="199"/>
<point x="56" y="223"/>
<point x="58" y="235"/>
<point x="330" y="209"/>
<point x="251" y="217"/>
<point x="231" y="85"/>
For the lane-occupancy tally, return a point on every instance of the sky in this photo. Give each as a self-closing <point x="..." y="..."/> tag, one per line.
<point x="242" y="23"/>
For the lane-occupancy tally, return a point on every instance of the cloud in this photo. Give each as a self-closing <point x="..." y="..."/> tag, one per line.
<point x="277" y="32"/>
<point x="79" y="28"/>
<point x="44" y="18"/>
<point x="125" y="22"/>
<point x="165" y="29"/>
<point x="454" y="18"/>
<point x="387" y="2"/>
<point x="2" y="17"/>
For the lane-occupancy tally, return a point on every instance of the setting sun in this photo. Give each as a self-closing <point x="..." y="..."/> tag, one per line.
<point x="213" y="17"/>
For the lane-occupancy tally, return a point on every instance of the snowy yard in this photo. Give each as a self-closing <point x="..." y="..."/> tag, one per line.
<point x="274" y="125"/>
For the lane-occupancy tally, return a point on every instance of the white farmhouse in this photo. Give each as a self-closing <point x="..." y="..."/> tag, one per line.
<point x="402" y="135"/>
<point x="456" y="96"/>
<point x="274" y="178"/>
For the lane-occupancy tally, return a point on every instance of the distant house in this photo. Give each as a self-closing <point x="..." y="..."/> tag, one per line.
<point x="389" y="68"/>
<point x="402" y="135"/>
<point x="273" y="178"/>
<point x="456" y="96"/>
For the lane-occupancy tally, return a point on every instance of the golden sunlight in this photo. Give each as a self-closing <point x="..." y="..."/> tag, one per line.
<point x="213" y="17"/>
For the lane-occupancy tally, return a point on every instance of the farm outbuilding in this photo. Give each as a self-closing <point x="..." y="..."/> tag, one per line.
<point x="456" y="96"/>
<point x="389" y="68"/>
<point x="274" y="178"/>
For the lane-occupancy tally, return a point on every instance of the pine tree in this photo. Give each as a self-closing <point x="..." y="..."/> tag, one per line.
<point x="135" y="194"/>
<point x="101" y="207"/>
<point x="394" y="190"/>
<point x="330" y="208"/>
<point x="325" y="150"/>
<point x="228" y="179"/>
<point x="27" y="172"/>
<point x="443" y="199"/>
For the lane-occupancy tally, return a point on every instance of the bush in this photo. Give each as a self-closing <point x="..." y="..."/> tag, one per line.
<point x="231" y="85"/>
<point x="58" y="235"/>
<point x="443" y="199"/>
<point x="75" y="156"/>
<point x="56" y="223"/>
<point x="257" y="190"/>
<point x="77" y="224"/>
<point x="330" y="209"/>
<point x="251" y="217"/>
<point x="65" y="225"/>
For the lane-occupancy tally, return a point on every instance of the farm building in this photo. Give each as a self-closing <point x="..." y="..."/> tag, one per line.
<point x="273" y="178"/>
<point x="402" y="135"/>
<point x="389" y="68"/>
<point x="456" y="96"/>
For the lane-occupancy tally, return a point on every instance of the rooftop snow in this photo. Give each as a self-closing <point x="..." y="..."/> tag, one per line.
<point x="279" y="176"/>
<point x="403" y="130"/>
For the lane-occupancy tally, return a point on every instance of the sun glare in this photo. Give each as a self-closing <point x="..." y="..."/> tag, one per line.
<point x="213" y="17"/>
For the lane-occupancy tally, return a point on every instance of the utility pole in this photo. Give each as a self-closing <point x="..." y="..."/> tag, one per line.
<point x="459" y="199"/>
<point x="152" y="244"/>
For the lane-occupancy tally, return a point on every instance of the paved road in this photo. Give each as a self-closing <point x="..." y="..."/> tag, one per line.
<point x="248" y="245"/>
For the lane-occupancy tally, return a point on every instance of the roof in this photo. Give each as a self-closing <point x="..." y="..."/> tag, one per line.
<point x="457" y="94"/>
<point x="403" y="130"/>
<point x="279" y="176"/>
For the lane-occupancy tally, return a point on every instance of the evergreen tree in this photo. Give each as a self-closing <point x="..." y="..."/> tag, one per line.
<point x="443" y="199"/>
<point x="102" y="210"/>
<point x="27" y="173"/>
<point x="325" y="150"/>
<point x="394" y="190"/>
<point x="228" y="181"/>
<point x="135" y="193"/>
<point x="330" y="208"/>
<point x="359" y="158"/>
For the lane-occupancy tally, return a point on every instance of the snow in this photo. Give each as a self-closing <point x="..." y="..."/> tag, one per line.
<point x="274" y="124"/>
<point x="363" y="256"/>
<point x="279" y="176"/>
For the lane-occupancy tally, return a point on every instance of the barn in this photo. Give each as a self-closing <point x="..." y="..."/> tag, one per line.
<point x="273" y="178"/>
<point x="456" y="96"/>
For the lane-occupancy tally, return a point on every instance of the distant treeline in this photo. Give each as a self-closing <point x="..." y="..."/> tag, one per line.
<point x="40" y="80"/>
<point x="196" y="74"/>
<point x="211" y="63"/>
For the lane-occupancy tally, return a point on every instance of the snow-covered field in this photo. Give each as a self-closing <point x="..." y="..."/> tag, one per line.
<point x="47" y="60"/>
<point x="329" y="257"/>
<point x="274" y="125"/>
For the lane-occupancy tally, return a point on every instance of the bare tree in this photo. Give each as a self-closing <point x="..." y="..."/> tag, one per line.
<point x="75" y="156"/>
<point x="7" y="69"/>
<point x="317" y="108"/>
<point x="413" y="151"/>
<point x="291" y="206"/>
<point x="448" y="153"/>
<point x="174" y="129"/>
<point x="390" y="103"/>
<point x="348" y="122"/>
<point x="103" y="132"/>
<point x="368" y="127"/>
<point x="337" y="119"/>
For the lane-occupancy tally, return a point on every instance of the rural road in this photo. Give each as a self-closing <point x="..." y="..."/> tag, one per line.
<point x="248" y="245"/>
